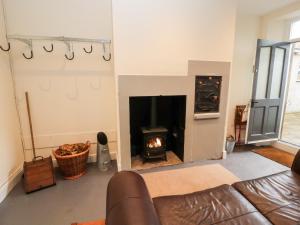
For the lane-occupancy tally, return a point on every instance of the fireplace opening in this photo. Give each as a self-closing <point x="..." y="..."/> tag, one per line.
<point x="157" y="125"/>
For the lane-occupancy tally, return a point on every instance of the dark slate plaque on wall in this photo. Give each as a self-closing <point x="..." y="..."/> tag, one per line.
<point x="207" y="94"/>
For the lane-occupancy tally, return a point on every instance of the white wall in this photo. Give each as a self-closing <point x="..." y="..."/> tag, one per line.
<point x="159" y="37"/>
<point x="11" y="154"/>
<point x="275" y="29"/>
<point x="246" y="34"/>
<point x="276" y="25"/>
<point x="70" y="100"/>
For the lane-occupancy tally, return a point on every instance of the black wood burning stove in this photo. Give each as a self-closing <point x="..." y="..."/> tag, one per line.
<point x="154" y="143"/>
<point x="154" y="137"/>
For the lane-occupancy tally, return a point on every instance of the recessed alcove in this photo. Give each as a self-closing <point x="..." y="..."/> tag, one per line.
<point x="154" y="114"/>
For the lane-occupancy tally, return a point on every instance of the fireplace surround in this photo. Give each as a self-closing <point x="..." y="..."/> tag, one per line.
<point x="203" y="139"/>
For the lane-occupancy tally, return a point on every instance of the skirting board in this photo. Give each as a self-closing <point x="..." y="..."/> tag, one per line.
<point x="46" y="151"/>
<point x="11" y="182"/>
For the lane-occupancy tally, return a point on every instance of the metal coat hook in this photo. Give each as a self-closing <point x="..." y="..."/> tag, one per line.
<point x="29" y="57"/>
<point x="69" y="49"/>
<point x="70" y="58"/>
<point x="90" y="51"/>
<point x="7" y="49"/>
<point x="108" y="59"/>
<point x="51" y="50"/>
<point x="103" y="56"/>
<point x="29" y="43"/>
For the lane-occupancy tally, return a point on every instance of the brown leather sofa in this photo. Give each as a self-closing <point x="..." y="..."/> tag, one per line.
<point x="274" y="199"/>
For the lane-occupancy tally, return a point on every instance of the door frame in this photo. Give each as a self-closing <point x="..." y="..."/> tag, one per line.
<point x="280" y="140"/>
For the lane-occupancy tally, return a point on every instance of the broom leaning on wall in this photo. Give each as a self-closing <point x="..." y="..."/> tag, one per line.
<point x="39" y="172"/>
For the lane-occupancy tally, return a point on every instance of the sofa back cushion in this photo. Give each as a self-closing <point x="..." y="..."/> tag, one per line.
<point x="222" y="205"/>
<point x="277" y="196"/>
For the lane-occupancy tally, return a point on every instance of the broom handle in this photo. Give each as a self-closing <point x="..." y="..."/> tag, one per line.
<point x="30" y="124"/>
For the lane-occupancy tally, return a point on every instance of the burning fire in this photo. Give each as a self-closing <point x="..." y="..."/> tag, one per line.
<point x="154" y="143"/>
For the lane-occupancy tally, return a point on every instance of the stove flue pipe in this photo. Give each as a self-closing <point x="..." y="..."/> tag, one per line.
<point x="153" y="118"/>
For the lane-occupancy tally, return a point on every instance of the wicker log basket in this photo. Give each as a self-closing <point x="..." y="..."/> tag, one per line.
<point x="73" y="165"/>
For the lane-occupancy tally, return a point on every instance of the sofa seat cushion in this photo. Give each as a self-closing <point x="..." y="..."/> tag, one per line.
<point x="277" y="196"/>
<point x="221" y="205"/>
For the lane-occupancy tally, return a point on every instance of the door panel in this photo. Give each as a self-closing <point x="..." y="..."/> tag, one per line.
<point x="268" y="89"/>
<point x="263" y="73"/>
<point x="277" y="73"/>
<point x="258" y="117"/>
<point x="272" y="120"/>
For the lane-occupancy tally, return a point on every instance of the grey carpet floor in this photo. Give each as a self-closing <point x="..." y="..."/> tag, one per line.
<point x="84" y="199"/>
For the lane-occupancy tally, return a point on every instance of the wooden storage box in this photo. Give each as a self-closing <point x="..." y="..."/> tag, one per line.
<point x="38" y="174"/>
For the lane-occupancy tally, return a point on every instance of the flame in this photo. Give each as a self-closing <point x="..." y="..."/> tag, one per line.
<point x="154" y="143"/>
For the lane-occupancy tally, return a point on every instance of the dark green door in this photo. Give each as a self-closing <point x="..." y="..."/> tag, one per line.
<point x="269" y="83"/>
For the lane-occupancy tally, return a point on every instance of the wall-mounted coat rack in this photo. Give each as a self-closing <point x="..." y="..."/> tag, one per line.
<point x="68" y="41"/>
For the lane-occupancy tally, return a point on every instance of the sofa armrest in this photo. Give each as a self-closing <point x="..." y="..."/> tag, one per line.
<point x="296" y="163"/>
<point x="128" y="201"/>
